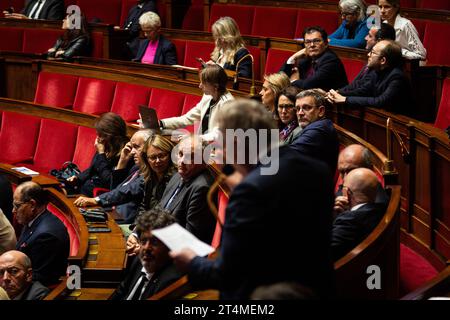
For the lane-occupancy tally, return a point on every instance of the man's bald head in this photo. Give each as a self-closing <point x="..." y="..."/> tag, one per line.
<point x="362" y="183"/>
<point x="352" y="157"/>
<point x="18" y="256"/>
<point x="16" y="274"/>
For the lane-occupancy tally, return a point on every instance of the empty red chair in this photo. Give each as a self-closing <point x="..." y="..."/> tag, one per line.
<point x="352" y="67"/>
<point x="274" y="22"/>
<point x="243" y="15"/>
<point x="108" y="11"/>
<point x="180" y="46"/>
<point x="39" y="40"/>
<point x="18" y="146"/>
<point x="256" y="53"/>
<point x="11" y="39"/>
<point x="328" y="20"/>
<point x="434" y="4"/>
<point x="94" y="96"/>
<point x="193" y="19"/>
<point x="127" y="99"/>
<point x="55" y="145"/>
<point x="438" y="51"/>
<point x="275" y="59"/>
<point x="167" y="103"/>
<point x="443" y="114"/>
<point x="420" y="27"/>
<point x="190" y="101"/>
<point x="197" y="49"/>
<point x="84" y="148"/>
<point x="56" y="89"/>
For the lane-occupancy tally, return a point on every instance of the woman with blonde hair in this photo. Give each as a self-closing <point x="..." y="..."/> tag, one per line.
<point x="273" y="84"/>
<point x="230" y="49"/>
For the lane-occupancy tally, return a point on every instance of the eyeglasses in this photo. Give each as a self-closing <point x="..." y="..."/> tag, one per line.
<point x="286" y="106"/>
<point x="155" y="157"/>
<point x="373" y="53"/>
<point x="315" y="41"/>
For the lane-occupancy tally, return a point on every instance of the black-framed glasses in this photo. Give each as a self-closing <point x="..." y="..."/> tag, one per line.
<point x="311" y="41"/>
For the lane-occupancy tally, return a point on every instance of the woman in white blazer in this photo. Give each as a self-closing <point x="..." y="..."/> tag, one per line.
<point x="213" y="81"/>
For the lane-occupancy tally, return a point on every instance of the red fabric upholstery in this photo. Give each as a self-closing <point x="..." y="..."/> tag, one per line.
<point x="443" y="114"/>
<point x="84" y="149"/>
<point x="352" y="67"/>
<point x="71" y="230"/>
<point x="190" y="101"/>
<point x="167" y="103"/>
<point x="193" y="20"/>
<point x="98" y="191"/>
<point x="274" y="22"/>
<point x="18" y="145"/>
<point x="222" y="199"/>
<point x="243" y="15"/>
<point x="438" y="51"/>
<point x="108" y="11"/>
<point x="56" y="144"/>
<point x="409" y="3"/>
<point x="434" y="4"/>
<point x="275" y="59"/>
<point x="180" y="46"/>
<point x="256" y="53"/>
<point x="11" y="39"/>
<point x="127" y="98"/>
<point x="56" y="89"/>
<point x="94" y="95"/>
<point x="39" y="40"/>
<point x="326" y="19"/>
<point x="197" y="49"/>
<point x="97" y="44"/>
<point x="18" y="5"/>
<point x="420" y="26"/>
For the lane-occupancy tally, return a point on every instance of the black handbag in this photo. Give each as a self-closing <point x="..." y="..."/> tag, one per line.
<point x="69" y="169"/>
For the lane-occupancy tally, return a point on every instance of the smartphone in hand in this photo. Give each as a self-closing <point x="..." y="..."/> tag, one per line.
<point x="203" y="63"/>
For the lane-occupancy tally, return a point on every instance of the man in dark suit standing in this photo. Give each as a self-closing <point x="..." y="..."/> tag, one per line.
<point x="154" y="269"/>
<point x="316" y="65"/>
<point x="40" y="9"/>
<point x="277" y="226"/>
<point x="44" y="237"/>
<point x="16" y="277"/>
<point x="362" y="214"/>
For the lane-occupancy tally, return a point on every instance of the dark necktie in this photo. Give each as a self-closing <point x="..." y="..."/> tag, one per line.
<point x="174" y="194"/>
<point x="205" y="119"/>
<point x="140" y="284"/>
<point x="33" y="14"/>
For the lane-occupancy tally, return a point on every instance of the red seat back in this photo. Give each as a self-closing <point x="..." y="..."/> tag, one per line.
<point x="56" y="89"/>
<point x="197" y="49"/>
<point x="108" y="11"/>
<point x="243" y="15"/>
<point x="55" y="145"/>
<point x="71" y="229"/>
<point x="443" y="114"/>
<point x="420" y="27"/>
<point x="434" y="4"/>
<point x="180" y="46"/>
<point x="94" y="96"/>
<point x="275" y="59"/>
<point x="328" y="20"/>
<point x="11" y="39"/>
<point x="274" y="22"/>
<point x="438" y="51"/>
<point x="97" y="44"/>
<point x="352" y="67"/>
<point x="18" y="146"/>
<point x="193" y="20"/>
<point x="39" y="40"/>
<point x="84" y="149"/>
<point x="221" y="208"/>
<point x="256" y="53"/>
<point x="167" y="103"/>
<point x="127" y="98"/>
<point x="190" y="101"/>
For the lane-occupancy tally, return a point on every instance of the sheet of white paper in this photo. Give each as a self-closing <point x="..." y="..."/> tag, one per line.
<point x="26" y="170"/>
<point x="175" y="237"/>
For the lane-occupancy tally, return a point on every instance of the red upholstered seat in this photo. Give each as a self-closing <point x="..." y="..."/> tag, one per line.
<point x="243" y="15"/>
<point x="256" y="53"/>
<point x="438" y="51"/>
<point x="11" y="39"/>
<point x="443" y="114"/>
<point x="274" y="22"/>
<point x="97" y="44"/>
<point x="197" y="49"/>
<point x="193" y="20"/>
<point x="275" y="59"/>
<point x="39" y="40"/>
<point x="18" y="5"/>
<point x="94" y="96"/>
<point x="190" y="101"/>
<point x="434" y="4"/>
<point x="108" y="11"/>
<point x="352" y="67"/>
<point x="56" y="89"/>
<point x="180" y="46"/>
<point x="84" y="148"/>
<point x="55" y="145"/>
<point x="222" y="200"/>
<point x="328" y="20"/>
<point x="420" y="26"/>
<point x="127" y="98"/>
<point x="71" y="229"/>
<point x="167" y="103"/>
<point x="18" y="146"/>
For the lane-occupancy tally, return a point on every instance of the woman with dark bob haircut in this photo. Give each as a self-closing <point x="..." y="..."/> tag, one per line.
<point x="111" y="138"/>
<point x="287" y="115"/>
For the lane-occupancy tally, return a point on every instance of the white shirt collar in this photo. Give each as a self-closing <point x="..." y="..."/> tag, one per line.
<point x="357" y="206"/>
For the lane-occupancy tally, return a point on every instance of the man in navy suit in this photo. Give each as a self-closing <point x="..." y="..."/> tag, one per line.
<point x="44" y="237"/>
<point x="277" y="227"/>
<point x="362" y="214"/>
<point x="40" y="9"/>
<point x="318" y="138"/>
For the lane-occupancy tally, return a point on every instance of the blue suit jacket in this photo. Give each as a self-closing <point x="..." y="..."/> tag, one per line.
<point x="47" y="244"/>
<point x="165" y="53"/>
<point x="277" y="228"/>
<point x="320" y="141"/>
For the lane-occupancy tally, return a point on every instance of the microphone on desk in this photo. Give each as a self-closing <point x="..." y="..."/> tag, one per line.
<point x="236" y="76"/>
